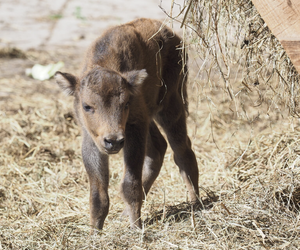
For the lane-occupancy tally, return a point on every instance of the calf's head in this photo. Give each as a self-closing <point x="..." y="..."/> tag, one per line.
<point x="102" y="103"/>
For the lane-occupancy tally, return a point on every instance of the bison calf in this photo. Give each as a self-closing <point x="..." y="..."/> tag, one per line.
<point x="133" y="76"/>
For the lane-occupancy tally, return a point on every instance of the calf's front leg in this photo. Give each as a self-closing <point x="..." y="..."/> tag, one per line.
<point x="131" y="187"/>
<point x="96" y="165"/>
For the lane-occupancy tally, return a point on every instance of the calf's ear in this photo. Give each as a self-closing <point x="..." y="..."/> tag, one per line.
<point x="66" y="82"/>
<point x="135" y="78"/>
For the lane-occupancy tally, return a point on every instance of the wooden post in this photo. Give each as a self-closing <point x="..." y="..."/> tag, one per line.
<point x="283" y="19"/>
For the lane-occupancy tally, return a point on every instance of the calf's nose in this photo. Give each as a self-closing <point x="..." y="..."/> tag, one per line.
<point x="113" y="144"/>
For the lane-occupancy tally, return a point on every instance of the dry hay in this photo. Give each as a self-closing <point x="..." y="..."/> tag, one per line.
<point x="250" y="185"/>
<point x="234" y="50"/>
<point x="248" y="157"/>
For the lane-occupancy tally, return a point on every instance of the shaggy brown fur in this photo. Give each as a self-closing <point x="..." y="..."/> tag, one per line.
<point x="133" y="75"/>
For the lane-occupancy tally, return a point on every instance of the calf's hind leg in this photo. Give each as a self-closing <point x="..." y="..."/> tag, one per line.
<point x="173" y="120"/>
<point x="156" y="148"/>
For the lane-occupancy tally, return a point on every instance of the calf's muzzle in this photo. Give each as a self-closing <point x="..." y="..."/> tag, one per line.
<point x="113" y="143"/>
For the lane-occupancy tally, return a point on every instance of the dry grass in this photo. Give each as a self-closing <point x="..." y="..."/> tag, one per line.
<point x="249" y="166"/>
<point x="231" y="42"/>
<point x="250" y="171"/>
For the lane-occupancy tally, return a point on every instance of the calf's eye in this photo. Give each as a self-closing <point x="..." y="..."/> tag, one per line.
<point x="87" y="108"/>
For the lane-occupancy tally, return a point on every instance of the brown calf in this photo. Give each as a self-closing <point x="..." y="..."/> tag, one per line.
<point x="133" y="74"/>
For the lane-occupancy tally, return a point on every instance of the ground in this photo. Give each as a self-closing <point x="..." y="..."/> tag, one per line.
<point x="248" y="156"/>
